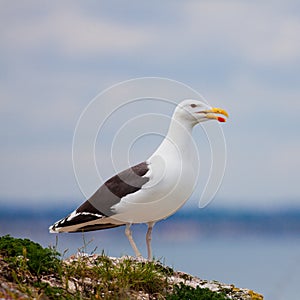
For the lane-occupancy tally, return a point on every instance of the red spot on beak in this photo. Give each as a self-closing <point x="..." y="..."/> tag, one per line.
<point x="220" y="119"/>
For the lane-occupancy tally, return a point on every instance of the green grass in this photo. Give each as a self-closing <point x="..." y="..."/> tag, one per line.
<point x="38" y="272"/>
<point x="118" y="280"/>
<point x="84" y="277"/>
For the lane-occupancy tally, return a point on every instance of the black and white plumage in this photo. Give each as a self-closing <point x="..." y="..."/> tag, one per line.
<point x="151" y="190"/>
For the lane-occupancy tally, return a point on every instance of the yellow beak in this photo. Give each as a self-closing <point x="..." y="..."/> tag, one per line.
<point x="215" y="110"/>
<point x="219" y="111"/>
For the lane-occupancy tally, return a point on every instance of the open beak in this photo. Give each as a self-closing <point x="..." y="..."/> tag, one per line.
<point x="213" y="114"/>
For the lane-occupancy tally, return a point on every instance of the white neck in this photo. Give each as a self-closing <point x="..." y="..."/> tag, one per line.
<point x="178" y="141"/>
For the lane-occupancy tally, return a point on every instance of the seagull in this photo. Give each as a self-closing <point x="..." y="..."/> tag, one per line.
<point x="151" y="190"/>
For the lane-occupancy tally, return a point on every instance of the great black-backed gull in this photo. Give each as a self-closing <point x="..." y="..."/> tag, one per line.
<point x="152" y="190"/>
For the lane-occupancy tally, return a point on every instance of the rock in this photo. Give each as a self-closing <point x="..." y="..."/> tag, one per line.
<point x="178" y="277"/>
<point x="82" y="274"/>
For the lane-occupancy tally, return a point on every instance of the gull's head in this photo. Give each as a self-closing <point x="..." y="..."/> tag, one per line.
<point x="194" y="112"/>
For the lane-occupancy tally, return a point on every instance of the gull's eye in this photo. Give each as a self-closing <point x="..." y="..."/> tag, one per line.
<point x="193" y="105"/>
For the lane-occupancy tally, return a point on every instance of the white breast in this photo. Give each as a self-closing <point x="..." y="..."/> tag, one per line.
<point x="172" y="176"/>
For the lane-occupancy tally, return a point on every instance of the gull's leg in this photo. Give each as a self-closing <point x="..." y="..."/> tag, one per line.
<point x="128" y="233"/>
<point x="149" y="238"/>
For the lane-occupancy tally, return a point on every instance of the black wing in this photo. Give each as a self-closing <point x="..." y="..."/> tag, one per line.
<point x="99" y="205"/>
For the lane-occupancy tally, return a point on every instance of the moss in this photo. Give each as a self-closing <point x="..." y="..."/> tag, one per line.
<point x="182" y="291"/>
<point x="26" y="256"/>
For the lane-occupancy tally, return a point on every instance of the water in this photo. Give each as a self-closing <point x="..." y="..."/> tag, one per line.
<point x="267" y="263"/>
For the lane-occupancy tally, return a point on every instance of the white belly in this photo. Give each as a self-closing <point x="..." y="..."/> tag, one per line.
<point x="171" y="184"/>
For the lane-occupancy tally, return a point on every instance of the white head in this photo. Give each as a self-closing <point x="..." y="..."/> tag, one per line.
<point x="194" y="112"/>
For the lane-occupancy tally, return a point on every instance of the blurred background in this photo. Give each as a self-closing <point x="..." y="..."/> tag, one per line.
<point x="244" y="56"/>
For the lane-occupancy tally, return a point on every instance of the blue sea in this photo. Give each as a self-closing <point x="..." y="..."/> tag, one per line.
<point x="250" y="249"/>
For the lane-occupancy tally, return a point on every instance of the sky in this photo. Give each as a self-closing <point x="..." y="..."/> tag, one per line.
<point x="56" y="56"/>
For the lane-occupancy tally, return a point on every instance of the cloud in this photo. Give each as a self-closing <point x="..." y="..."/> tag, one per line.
<point x="56" y="56"/>
<point x="257" y="33"/>
<point x="260" y="33"/>
<point x="70" y="31"/>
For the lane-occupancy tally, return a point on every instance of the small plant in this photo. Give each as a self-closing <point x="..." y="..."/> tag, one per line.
<point x="182" y="291"/>
<point x="26" y="256"/>
<point x="53" y="293"/>
<point x="117" y="279"/>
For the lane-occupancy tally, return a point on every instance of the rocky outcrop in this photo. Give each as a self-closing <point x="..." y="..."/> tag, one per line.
<point x="103" y="277"/>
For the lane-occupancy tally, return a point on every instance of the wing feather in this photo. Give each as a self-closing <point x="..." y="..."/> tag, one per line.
<point x="98" y="206"/>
